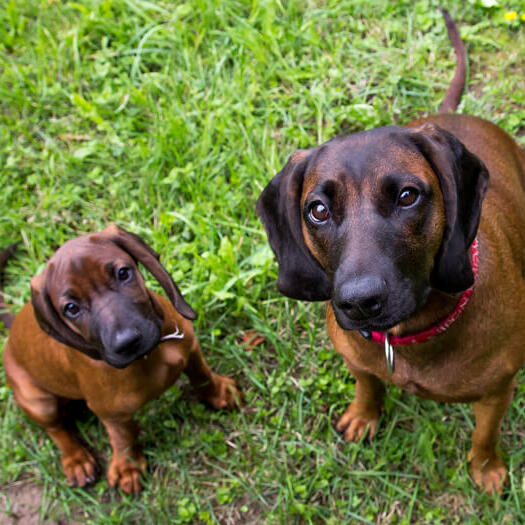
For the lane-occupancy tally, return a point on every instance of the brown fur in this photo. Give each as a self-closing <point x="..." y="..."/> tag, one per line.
<point x="477" y="359"/>
<point x="43" y="371"/>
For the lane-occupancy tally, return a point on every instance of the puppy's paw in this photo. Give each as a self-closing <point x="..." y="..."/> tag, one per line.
<point x="79" y="467"/>
<point x="488" y="472"/>
<point x="126" y="471"/>
<point x="357" y="422"/>
<point x="222" y="393"/>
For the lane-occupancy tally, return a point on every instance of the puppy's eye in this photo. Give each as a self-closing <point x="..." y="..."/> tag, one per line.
<point x="407" y="197"/>
<point x="71" y="310"/>
<point x="318" y="212"/>
<point x="124" y="274"/>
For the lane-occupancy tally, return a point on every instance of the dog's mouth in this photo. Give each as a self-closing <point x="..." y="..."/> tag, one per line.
<point x="368" y="325"/>
<point x="380" y="323"/>
<point x="148" y="337"/>
<point x="131" y="343"/>
<point x="118" y="361"/>
<point x="382" y="312"/>
<point x="123" y="361"/>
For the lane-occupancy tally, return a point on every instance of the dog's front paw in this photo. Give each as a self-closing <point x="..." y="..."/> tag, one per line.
<point x="222" y="393"/>
<point x="488" y="472"/>
<point x="79" y="467"/>
<point x="357" y="422"/>
<point x="126" y="470"/>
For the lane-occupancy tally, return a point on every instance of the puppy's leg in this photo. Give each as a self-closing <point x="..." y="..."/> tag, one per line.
<point x="127" y="461"/>
<point x="41" y="406"/>
<point x="219" y="391"/>
<point x="363" y="413"/>
<point x="486" y="464"/>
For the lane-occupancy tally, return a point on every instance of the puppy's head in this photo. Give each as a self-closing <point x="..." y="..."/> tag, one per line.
<point x="92" y="297"/>
<point x="375" y="220"/>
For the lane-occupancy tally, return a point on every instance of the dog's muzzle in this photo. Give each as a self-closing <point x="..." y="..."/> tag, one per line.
<point x="361" y="299"/>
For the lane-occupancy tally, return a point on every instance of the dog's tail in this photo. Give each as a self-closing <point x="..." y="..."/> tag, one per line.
<point x="5" y="316"/>
<point x="453" y="95"/>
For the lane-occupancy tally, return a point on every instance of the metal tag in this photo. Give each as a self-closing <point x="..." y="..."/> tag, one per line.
<point x="389" y="355"/>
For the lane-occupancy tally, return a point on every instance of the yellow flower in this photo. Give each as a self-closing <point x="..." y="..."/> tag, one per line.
<point x="511" y="15"/>
<point x="523" y="17"/>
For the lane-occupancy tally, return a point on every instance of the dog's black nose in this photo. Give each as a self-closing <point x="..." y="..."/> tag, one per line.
<point x="361" y="298"/>
<point x="126" y="341"/>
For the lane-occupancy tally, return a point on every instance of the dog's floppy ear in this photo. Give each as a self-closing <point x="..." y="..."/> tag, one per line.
<point x="49" y="320"/>
<point x="464" y="180"/>
<point x="141" y="252"/>
<point x="279" y="208"/>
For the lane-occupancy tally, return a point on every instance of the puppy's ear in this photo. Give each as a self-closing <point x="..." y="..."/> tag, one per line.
<point x="279" y="208"/>
<point x="464" y="180"/>
<point x="141" y="252"/>
<point x="49" y="320"/>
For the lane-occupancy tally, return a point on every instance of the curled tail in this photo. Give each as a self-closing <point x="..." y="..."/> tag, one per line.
<point x="454" y="92"/>
<point x="5" y="316"/>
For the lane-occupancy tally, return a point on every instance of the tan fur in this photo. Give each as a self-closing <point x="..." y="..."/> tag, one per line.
<point x="43" y="372"/>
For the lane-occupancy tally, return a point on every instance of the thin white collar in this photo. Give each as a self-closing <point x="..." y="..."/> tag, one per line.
<point x="177" y="334"/>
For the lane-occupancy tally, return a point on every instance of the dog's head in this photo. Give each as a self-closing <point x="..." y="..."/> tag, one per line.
<point x="375" y="220"/>
<point x="92" y="297"/>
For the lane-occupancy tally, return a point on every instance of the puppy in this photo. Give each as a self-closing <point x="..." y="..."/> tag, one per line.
<point x="93" y="331"/>
<point x="421" y="260"/>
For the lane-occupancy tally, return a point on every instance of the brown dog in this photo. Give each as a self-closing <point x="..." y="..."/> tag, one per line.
<point x="381" y="224"/>
<point x="95" y="332"/>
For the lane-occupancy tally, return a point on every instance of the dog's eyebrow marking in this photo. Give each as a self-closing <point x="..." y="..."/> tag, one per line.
<point x="404" y="176"/>
<point x="329" y="188"/>
<point x="70" y="294"/>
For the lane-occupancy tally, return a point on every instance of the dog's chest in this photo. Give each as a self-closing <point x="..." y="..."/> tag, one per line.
<point x="440" y="374"/>
<point x="130" y="389"/>
<point x="152" y="380"/>
<point x="435" y="381"/>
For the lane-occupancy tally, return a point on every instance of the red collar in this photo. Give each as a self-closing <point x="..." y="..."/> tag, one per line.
<point x="441" y="326"/>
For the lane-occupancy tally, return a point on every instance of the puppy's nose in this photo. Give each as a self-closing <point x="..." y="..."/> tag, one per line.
<point x="361" y="298"/>
<point x="126" y="340"/>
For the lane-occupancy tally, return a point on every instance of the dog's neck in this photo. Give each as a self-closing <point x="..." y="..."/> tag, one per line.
<point x="437" y="307"/>
<point x="436" y="316"/>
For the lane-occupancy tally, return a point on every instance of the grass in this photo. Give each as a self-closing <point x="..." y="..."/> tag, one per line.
<point x="169" y="119"/>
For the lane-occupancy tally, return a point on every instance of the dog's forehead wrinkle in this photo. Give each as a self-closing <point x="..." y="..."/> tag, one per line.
<point x="81" y="276"/>
<point x="377" y="147"/>
<point x="365" y="155"/>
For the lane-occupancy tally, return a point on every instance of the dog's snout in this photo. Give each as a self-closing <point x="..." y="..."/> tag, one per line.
<point x="362" y="298"/>
<point x="126" y="341"/>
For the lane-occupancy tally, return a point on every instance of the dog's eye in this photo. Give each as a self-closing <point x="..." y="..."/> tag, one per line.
<point x="72" y="310"/>
<point x="124" y="274"/>
<point x="407" y="197"/>
<point x="318" y="213"/>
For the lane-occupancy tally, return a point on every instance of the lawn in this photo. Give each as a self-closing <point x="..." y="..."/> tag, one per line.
<point x="169" y="118"/>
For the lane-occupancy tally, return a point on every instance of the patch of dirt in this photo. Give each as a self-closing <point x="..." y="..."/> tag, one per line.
<point x="20" y="504"/>
<point x="243" y="513"/>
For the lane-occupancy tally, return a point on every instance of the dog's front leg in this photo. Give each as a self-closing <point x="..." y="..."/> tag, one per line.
<point x="43" y="407"/>
<point x="362" y="415"/>
<point x="486" y="464"/>
<point x="219" y="391"/>
<point x="127" y="462"/>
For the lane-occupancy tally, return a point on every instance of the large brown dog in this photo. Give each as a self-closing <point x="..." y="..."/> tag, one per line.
<point x="381" y="224"/>
<point x="94" y="331"/>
